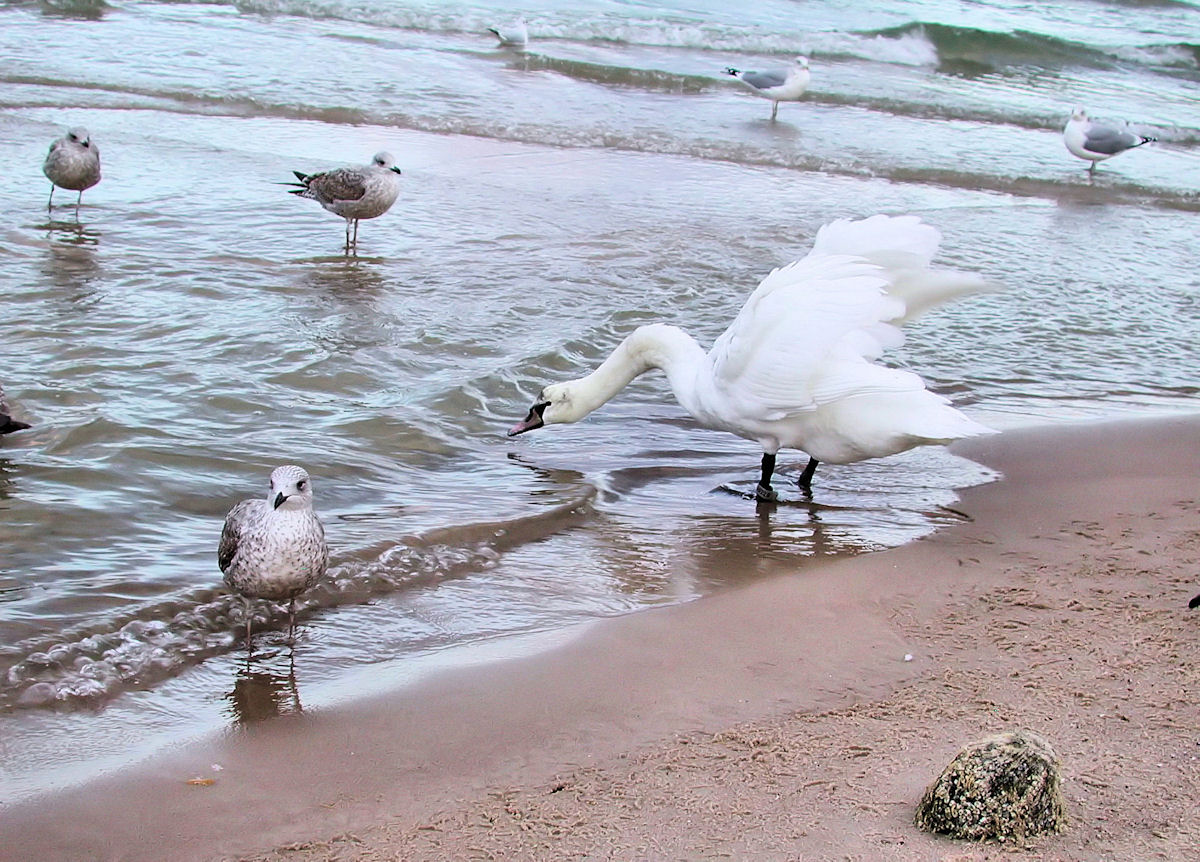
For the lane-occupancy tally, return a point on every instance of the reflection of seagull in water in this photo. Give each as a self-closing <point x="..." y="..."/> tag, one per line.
<point x="353" y="193"/>
<point x="7" y="423"/>
<point x="785" y="85"/>
<point x="1095" y="142"/>
<point x="72" y="163"/>
<point x="514" y="35"/>
<point x="274" y="548"/>
<point x="259" y="694"/>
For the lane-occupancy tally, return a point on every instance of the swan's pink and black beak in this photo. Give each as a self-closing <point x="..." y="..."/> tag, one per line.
<point x="533" y="420"/>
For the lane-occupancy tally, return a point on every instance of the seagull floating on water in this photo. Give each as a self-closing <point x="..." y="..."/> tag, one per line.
<point x="513" y="35"/>
<point x="785" y="85"/>
<point x="1096" y="142"/>
<point x="796" y="369"/>
<point x="353" y="193"/>
<point x="72" y="163"/>
<point x="7" y="423"/>
<point x="274" y="548"/>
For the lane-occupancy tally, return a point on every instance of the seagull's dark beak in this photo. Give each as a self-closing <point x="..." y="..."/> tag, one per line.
<point x="279" y="498"/>
<point x="397" y="170"/>
<point x="533" y="420"/>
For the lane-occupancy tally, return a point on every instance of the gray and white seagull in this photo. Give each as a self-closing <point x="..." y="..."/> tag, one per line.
<point x="353" y="193"/>
<point x="274" y="548"/>
<point x="782" y="85"/>
<point x="72" y="163"/>
<point x="1095" y="142"/>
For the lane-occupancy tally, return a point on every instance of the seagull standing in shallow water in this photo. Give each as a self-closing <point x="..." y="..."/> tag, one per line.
<point x="274" y="548"/>
<point x="796" y="369"/>
<point x="72" y="163"/>
<point x="778" y="86"/>
<point x="353" y="193"/>
<point x="514" y="35"/>
<point x="1095" y="142"/>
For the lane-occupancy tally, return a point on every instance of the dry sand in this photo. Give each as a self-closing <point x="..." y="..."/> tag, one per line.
<point x="775" y="721"/>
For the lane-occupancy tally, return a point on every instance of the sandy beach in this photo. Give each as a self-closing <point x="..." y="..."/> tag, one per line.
<point x="780" y="720"/>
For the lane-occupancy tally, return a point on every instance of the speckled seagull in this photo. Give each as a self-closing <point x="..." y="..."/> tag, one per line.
<point x="1094" y="142"/>
<point x="353" y="193"/>
<point x="797" y="367"/>
<point x="72" y="163"/>
<point x="785" y="85"/>
<point x="274" y="548"/>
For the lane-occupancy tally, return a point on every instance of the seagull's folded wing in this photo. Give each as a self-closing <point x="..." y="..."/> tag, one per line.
<point x="340" y="184"/>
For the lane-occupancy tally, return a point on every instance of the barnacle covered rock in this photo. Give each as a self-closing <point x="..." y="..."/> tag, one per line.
<point x="1004" y="787"/>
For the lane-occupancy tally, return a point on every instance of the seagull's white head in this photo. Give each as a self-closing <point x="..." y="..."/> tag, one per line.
<point x="555" y="404"/>
<point x="1079" y="115"/>
<point x="802" y="62"/>
<point x="291" y="488"/>
<point x="385" y="160"/>
<point x="79" y="135"/>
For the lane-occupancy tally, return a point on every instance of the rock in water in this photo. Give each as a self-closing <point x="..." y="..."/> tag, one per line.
<point x="1001" y="788"/>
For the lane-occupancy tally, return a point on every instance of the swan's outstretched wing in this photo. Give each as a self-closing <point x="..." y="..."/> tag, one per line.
<point x="823" y="313"/>
<point x="904" y="247"/>
<point x="893" y="242"/>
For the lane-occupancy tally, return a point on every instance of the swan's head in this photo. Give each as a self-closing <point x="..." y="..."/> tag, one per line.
<point x="291" y="488"/>
<point x="554" y="405"/>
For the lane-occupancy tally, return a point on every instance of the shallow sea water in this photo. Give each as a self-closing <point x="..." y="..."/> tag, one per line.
<point x="192" y="325"/>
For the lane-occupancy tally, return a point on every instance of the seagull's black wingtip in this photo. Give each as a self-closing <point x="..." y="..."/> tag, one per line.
<point x="1194" y="603"/>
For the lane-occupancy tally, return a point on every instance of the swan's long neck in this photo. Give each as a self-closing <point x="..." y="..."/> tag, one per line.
<point x="655" y="346"/>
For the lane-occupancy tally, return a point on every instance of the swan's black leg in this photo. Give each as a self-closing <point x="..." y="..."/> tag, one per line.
<point x="764" y="490"/>
<point x="805" y="480"/>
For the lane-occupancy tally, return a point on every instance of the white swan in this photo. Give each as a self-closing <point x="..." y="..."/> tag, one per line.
<point x="1094" y="142"/>
<point x="784" y="85"/>
<point x="796" y="368"/>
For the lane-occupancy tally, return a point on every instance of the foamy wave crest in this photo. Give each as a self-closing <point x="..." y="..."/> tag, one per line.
<point x="1181" y="56"/>
<point x="88" y="667"/>
<point x="906" y="48"/>
<point x="588" y="27"/>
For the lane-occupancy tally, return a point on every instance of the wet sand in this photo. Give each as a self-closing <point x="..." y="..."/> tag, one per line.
<point x="776" y="721"/>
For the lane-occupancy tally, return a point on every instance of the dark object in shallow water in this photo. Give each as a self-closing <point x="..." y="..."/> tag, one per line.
<point x="1194" y="603"/>
<point x="1003" y="787"/>
<point x="7" y="423"/>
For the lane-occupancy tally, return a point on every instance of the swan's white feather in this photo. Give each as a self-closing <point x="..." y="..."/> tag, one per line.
<point x="798" y="317"/>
